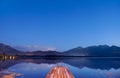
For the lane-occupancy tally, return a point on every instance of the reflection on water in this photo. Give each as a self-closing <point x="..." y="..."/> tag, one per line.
<point x="8" y="74"/>
<point x="60" y="72"/>
<point x="70" y="68"/>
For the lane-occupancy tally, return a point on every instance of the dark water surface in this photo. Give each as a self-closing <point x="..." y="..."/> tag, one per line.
<point x="78" y="67"/>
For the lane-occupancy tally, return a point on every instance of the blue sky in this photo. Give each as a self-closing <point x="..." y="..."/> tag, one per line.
<point x="61" y="24"/>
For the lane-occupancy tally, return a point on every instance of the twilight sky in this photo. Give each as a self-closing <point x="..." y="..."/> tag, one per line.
<point x="59" y="24"/>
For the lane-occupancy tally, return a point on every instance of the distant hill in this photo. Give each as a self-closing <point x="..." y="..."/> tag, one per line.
<point x="44" y="53"/>
<point x="9" y="50"/>
<point x="100" y="51"/>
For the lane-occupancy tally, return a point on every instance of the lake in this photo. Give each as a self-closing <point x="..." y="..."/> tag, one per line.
<point x="76" y="67"/>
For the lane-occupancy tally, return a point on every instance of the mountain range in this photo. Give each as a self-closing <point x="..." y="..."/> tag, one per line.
<point x="91" y="51"/>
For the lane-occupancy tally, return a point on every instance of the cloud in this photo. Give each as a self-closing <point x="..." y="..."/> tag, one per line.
<point x="35" y="48"/>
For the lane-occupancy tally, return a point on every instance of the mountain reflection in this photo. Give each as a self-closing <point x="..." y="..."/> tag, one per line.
<point x="50" y="68"/>
<point x="60" y="72"/>
<point x="94" y="63"/>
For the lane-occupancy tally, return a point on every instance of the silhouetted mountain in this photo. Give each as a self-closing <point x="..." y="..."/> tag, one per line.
<point x="9" y="50"/>
<point x="44" y="53"/>
<point x="101" y="50"/>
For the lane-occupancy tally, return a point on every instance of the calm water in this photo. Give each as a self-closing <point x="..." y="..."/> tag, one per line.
<point x="78" y="67"/>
